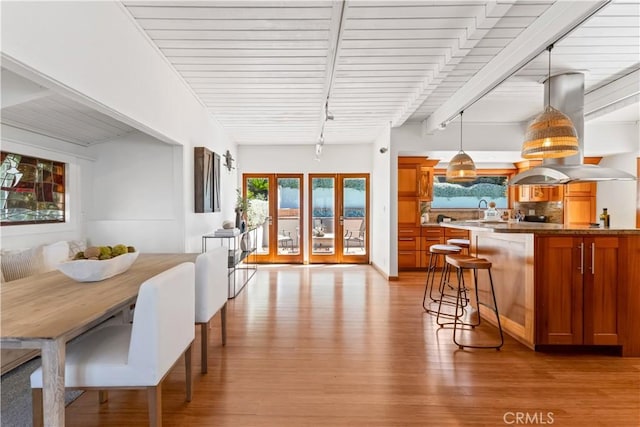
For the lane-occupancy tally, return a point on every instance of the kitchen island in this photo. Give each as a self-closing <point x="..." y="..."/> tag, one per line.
<point x="560" y="285"/>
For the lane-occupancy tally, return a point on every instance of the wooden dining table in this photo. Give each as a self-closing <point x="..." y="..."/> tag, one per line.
<point x="47" y="310"/>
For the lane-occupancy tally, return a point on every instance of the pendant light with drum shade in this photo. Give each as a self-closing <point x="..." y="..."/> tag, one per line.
<point x="461" y="167"/>
<point x="551" y="134"/>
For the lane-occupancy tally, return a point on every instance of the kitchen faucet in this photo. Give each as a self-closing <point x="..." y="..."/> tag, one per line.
<point x="485" y="203"/>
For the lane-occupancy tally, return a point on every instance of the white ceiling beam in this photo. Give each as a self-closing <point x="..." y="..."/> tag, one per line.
<point x="556" y="22"/>
<point x="485" y="17"/>
<point x="617" y="94"/>
<point x="17" y="90"/>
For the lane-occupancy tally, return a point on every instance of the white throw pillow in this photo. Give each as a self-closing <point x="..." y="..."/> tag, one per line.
<point x="19" y="264"/>
<point x="54" y="254"/>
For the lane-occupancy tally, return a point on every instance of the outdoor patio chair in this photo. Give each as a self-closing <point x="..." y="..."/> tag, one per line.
<point x="352" y="241"/>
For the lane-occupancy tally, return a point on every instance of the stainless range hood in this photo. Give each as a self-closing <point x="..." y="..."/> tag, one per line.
<point x="563" y="174"/>
<point x="567" y="95"/>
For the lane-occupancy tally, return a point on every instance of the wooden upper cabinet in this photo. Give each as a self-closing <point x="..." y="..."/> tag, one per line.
<point x="425" y="183"/>
<point x="579" y="210"/>
<point x="581" y="189"/>
<point x="415" y="177"/>
<point x="407" y="180"/>
<point x="533" y="193"/>
<point x="556" y="193"/>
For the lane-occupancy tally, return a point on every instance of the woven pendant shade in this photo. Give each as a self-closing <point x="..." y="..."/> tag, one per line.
<point x="461" y="168"/>
<point x="550" y="135"/>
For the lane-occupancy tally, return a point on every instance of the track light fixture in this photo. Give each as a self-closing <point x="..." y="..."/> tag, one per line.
<point x="327" y="114"/>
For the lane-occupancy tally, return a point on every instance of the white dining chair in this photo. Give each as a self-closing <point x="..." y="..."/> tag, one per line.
<point x="138" y="355"/>
<point x="211" y="296"/>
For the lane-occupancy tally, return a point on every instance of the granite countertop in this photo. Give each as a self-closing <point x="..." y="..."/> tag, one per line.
<point x="535" y="228"/>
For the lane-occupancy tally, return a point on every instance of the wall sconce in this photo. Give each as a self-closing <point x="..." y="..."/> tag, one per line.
<point x="228" y="160"/>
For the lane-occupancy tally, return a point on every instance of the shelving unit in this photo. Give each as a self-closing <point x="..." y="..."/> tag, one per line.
<point x="240" y="267"/>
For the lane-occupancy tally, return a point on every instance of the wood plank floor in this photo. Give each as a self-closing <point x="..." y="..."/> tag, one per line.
<point x="339" y="345"/>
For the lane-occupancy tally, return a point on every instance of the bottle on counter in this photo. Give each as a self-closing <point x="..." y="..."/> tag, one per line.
<point x="604" y="218"/>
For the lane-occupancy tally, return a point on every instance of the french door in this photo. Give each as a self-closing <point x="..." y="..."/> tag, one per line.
<point x="339" y="212"/>
<point x="275" y="202"/>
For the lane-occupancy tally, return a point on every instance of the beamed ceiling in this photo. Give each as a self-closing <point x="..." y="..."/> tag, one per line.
<point x="266" y="69"/>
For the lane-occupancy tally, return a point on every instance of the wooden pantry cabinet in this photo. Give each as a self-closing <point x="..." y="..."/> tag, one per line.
<point x="578" y="282"/>
<point x="415" y="185"/>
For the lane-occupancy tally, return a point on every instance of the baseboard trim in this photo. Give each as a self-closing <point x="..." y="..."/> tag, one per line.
<point x="383" y="273"/>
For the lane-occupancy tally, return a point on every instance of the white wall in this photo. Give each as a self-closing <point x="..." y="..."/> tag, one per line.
<point x="605" y="138"/>
<point x="348" y="158"/>
<point x="93" y="52"/>
<point x="411" y="139"/>
<point x="381" y="203"/>
<point x="133" y="194"/>
<point x="96" y="54"/>
<point x="29" y="144"/>
<point x="619" y="197"/>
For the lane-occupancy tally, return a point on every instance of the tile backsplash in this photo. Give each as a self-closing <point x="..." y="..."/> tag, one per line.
<point x="458" y="214"/>
<point x="552" y="210"/>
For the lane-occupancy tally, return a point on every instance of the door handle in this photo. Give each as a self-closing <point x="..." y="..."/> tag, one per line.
<point x="593" y="258"/>
<point x="270" y="218"/>
<point x="341" y="220"/>
<point x="581" y="258"/>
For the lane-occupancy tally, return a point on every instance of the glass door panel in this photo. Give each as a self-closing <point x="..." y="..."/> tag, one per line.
<point x="257" y="192"/>
<point x="322" y="224"/>
<point x="354" y="216"/>
<point x="274" y="208"/>
<point x="289" y="218"/>
<point x="345" y="238"/>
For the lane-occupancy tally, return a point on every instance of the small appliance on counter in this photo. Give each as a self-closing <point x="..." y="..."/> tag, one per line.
<point x="491" y="214"/>
<point x="535" y="218"/>
<point x="442" y="218"/>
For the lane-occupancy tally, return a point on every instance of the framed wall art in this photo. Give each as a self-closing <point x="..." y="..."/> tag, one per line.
<point x="32" y="190"/>
<point x="206" y="180"/>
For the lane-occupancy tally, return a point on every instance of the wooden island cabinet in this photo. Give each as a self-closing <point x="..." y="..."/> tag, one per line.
<point x="562" y="285"/>
<point x="577" y="282"/>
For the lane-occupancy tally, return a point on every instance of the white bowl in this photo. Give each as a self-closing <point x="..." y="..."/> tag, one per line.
<point x="91" y="270"/>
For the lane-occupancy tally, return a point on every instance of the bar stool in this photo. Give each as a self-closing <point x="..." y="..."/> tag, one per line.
<point x="463" y="243"/>
<point x="436" y="252"/>
<point x="461" y="262"/>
